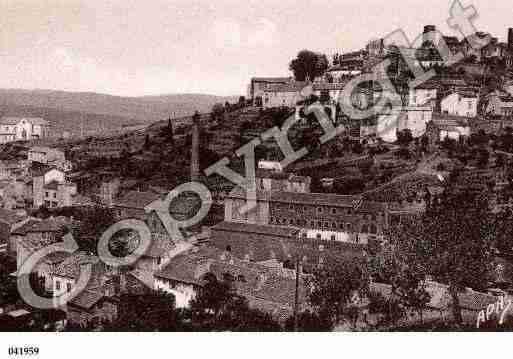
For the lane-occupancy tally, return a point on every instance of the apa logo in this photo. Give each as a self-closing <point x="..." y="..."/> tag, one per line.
<point x="498" y="310"/>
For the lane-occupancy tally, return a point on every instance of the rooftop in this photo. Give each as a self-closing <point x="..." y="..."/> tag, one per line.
<point x="16" y="120"/>
<point x="10" y="217"/>
<point x="316" y="199"/>
<point x="136" y="199"/>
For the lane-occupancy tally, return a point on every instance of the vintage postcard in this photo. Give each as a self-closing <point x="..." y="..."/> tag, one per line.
<point x="260" y="166"/>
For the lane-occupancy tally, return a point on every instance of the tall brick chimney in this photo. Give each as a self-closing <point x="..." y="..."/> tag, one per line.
<point x="195" y="171"/>
<point x="510" y="39"/>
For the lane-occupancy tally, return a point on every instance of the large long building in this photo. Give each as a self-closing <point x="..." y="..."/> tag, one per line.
<point x="326" y="217"/>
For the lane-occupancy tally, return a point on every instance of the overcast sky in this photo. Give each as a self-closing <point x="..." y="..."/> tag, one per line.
<point x="149" y="47"/>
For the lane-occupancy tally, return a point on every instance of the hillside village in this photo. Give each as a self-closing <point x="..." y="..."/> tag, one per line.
<point x="381" y="228"/>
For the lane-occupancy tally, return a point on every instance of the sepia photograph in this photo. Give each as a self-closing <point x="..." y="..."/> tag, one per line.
<point x="283" y="172"/>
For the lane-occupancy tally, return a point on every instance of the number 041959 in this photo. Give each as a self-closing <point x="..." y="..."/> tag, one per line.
<point x="23" y="351"/>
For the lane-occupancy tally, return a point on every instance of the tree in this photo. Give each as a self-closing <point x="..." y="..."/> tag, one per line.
<point x="169" y="132"/>
<point x="308" y="64"/>
<point x="389" y="309"/>
<point x="8" y="286"/>
<point x="146" y="312"/>
<point x="335" y="288"/>
<point x="453" y="241"/>
<point x="147" y="142"/>
<point x="309" y="322"/>
<point x="217" y="306"/>
<point x="217" y="112"/>
<point x="404" y="137"/>
<point x="94" y="221"/>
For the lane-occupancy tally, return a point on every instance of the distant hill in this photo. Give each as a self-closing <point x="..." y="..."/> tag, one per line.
<point x="71" y="121"/>
<point x="66" y="108"/>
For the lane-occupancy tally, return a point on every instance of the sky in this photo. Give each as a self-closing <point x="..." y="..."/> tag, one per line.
<point x="151" y="47"/>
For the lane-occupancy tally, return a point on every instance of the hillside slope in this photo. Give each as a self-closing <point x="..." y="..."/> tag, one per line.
<point x="144" y="109"/>
<point x="71" y="121"/>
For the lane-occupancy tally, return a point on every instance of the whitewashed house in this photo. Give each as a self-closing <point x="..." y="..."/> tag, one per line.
<point x="460" y="103"/>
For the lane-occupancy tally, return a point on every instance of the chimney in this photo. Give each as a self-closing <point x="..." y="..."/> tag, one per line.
<point x="195" y="147"/>
<point x="510" y="39"/>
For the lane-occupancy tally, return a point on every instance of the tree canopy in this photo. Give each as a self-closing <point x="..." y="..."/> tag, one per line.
<point x="308" y="64"/>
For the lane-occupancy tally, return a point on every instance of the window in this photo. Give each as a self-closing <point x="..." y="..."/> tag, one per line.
<point x="55" y="195"/>
<point x="68" y="287"/>
<point x="318" y="236"/>
<point x="319" y="209"/>
<point x="57" y="285"/>
<point x="46" y="194"/>
<point x="364" y="228"/>
<point x="333" y="210"/>
<point x="241" y="278"/>
<point x="333" y="237"/>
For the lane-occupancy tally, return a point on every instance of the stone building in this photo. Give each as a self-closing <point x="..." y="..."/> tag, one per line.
<point x="50" y="188"/>
<point x="326" y="217"/>
<point x="258" y="84"/>
<point x="23" y="129"/>
<point x="460" y="103"/>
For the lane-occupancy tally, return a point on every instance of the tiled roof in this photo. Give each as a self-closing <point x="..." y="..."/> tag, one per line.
<point x="22" y="230"/>
<point x="53" y="185"/>
<point x="70" y="267"/>
<point x="267" y="288"/>
<point x="319" y="86"/>
<point x="87" y="299"/>
<point x="80" y="200"/>
<point x="10" y="217"/>
<point x="320" y="199"/>
<point x="158" y="247"/>
<point x="16" y="120"/>
<point x="57" y="257"/>
<point x="39" y="169"/>
<point x="272" y="79"/>
<point x="289" y="87"/>
<point x="280" y="231"/>
<point x="42" y="149"/>
<point x="136" y="199"/>
<point x="244" y="243"/>
<point x="428" y="85"/>
<point x="49" y="225"/>
<point x="446" y="121"/>
<point x="190" y="266"/>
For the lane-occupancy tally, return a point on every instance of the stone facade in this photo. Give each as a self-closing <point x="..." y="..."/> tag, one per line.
<point x="23" y="129"/>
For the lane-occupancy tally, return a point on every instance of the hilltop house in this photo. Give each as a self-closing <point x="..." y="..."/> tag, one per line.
<point x="499" y="103"/>
<point x="9" y="221"/>
<point x="424" y="94"/>
<point x="48" y="156"/>
<point x="258" y="84"/>
<point x="23" y="129"/>
<point x="446" y="126"/>
<point x="460" y="103"/>
<point x="50" y="188"/>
